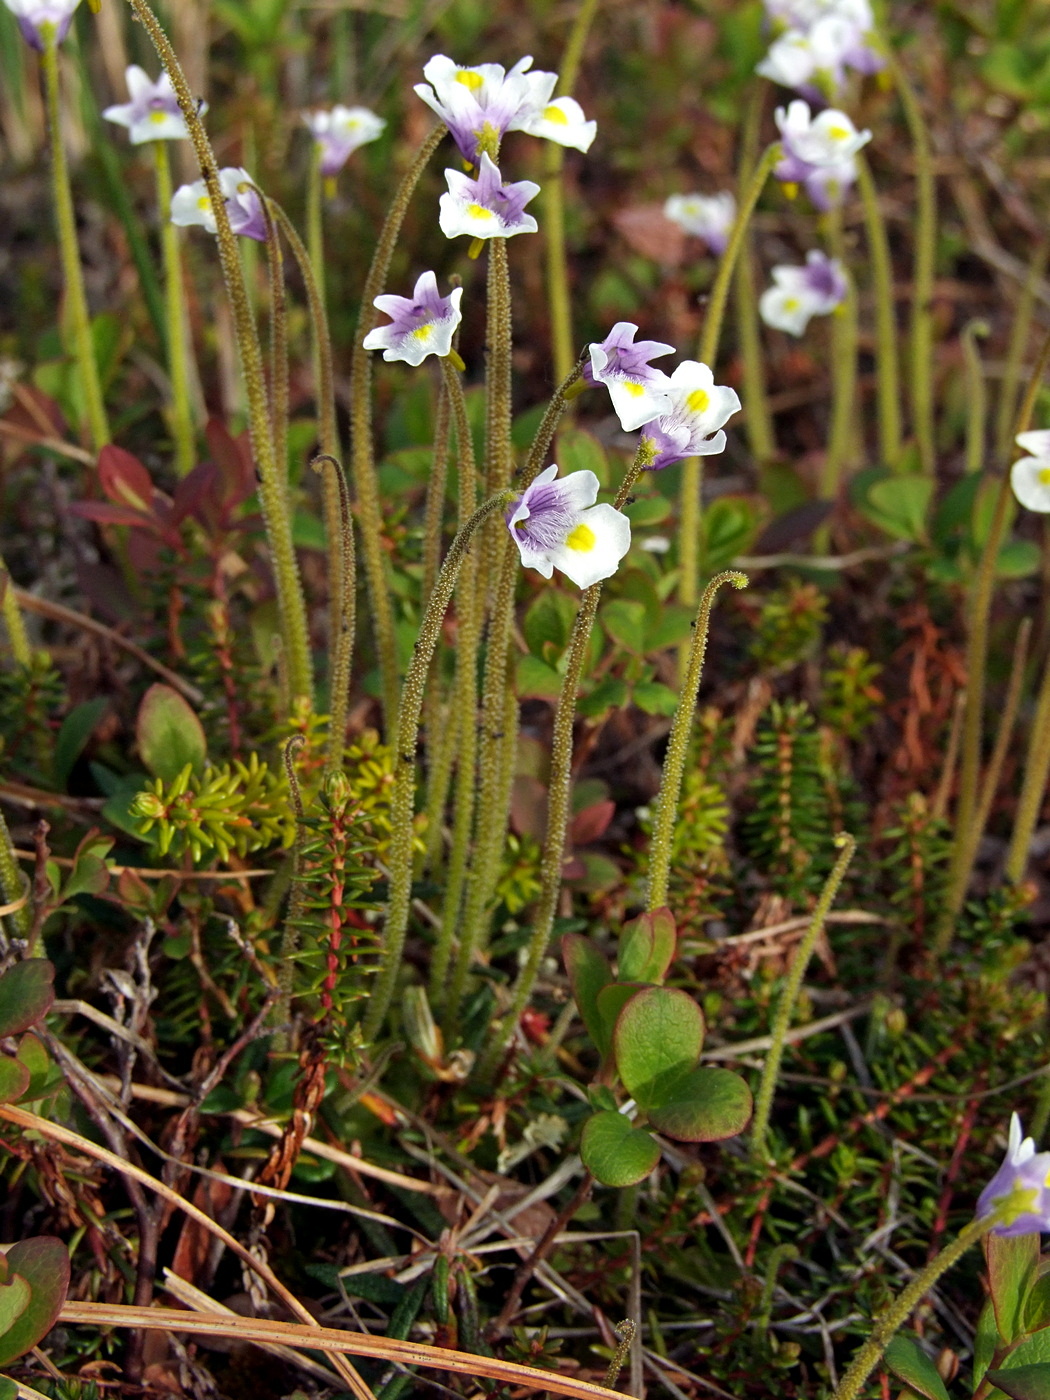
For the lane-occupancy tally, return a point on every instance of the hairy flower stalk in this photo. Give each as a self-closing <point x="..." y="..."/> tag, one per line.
<point x="178" y="328"/>
<point x="689" y="510"/>
<point x="559" y="794"/>
<point x="789" y="996"/>
<point x="662" y="843"/>
<point x="338" y="524"/>
<point x="273" y="497"/>
<point x="279" y="385"/>
<point x="362" y="456"/>
<point x="403" y="800"/>
<point x="967" y="837"/>
<point x="464" y="709"/>
<point x="72" y="274"/>
<point x="888" y="377"/>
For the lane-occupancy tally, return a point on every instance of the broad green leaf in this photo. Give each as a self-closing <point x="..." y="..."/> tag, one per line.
<point x="26" y="993"/>
<point x="647" y="510"/>
<point x="1013" y="1264"/>
<point x="647" y="947"/>
<point x="654" y="698"/>
<point x="169" y="734"/>
<point x="659" y="1035"/>
<point x="1032" y="1350"/>
<point x="1037" y="1305"/>
<point x="588" y="974"/>
<point x="910" y="1364"/>
<point x="534" y="677"/>
<point x="704" y="1105"/>
<point x="548" y="618"/>
<point x="609" y="694"/>
<point x="673" y="626"/>
<point x="77" y="728"/>
<point x="985" y="1342"/>
<point x="14" y="1299"/>
<point x="899" y="506"/>
<point x="89" y="874"/>
<point x="1023" y="1382"/>
<point x="1017" y="559"/>
<point x="580" y="451"/>
<point x="729" y="527"/>
<point x="615" y="1153"/>
<point x="624" y="621"/>
<point x="8" y="1389"/>
<point x="14" y="1079"/>
<point x="44" y="1264"/>
<point x="32" y="1054"/>
<point x="611" y="1001"/>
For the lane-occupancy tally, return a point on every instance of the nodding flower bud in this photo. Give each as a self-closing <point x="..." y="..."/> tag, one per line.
<point x="43" y="22"/>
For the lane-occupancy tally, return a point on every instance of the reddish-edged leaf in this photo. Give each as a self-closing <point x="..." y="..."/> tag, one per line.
<point x="124" y="479"/>
<point x="614" y="1152"/>
<point x="233" y="457"/>
<point x="910" y="1364"/>
<point x="26" y="993"/>
<point x="591" y="823"/>
<point x="658" y="1038"/>
<point x="588" y="973"/>
<point x="105" y="513"/>
<point x="14" y="1079"/>
<point x="14" y="1299"/>
<point x="1013" y="1266"/>
<point x="704" y="1105"/>
<point x="1023" y="1382"/>
<point x="647" y="946"/>
<point x="44" y="1264"/>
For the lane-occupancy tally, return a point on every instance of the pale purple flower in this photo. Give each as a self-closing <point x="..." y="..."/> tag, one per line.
<point x="691" y="424"/>
<point x="556" y="525"/>
<point x="479" y="104"/>
<point x="191" y="204"/>
<point x="153" y="114"/>
<point x="420" y="325"/>
<point x="710" y="217"/>
<point x="638" y="391"/>
<point x="486" y="207"/>
<point x="340" y="132"/>
<point x="815" y="41"/>
<point x="818" y="152"/>
<point x="1020" y="1188"/>
<point x="801" y="292"/>
<point x="1030" y="476"/>
<point x="43" y="21"/>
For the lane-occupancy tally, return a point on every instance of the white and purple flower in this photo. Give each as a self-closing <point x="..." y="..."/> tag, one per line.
<point x="638" y="391"/>
<point x="1030" y="476"/>
<point x="556" y="525"/>
<point x="43" y="21"/>
<point x="818" y="152"/>
<point x="801" y="292"/>
<point x="340" y="132"/>
<point x="191" y="204"/>
<point x="1020" y="1189"/>
<point x="486" y="207"/>
<point x="710" y="217"/>
<point x="420" y="325"/>
<point x="479" y="105"/>
<point x="691" y="424"/>
<point x="153" y="114"/>
<point x="815" y="41"/>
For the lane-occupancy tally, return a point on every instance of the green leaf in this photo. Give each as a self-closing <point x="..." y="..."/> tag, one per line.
<point x="610" y="693"/>
<point x="77" y="728"/>
<point x="647" y="510"/>
<point x="1017" y="559"/>
<point x="729" y="528"/>
<point x="26" y="993"/>
<point x="673" y="625"/>
<point x="14" y="1299"/>
<point x="898" y="505"/>
<point x="44" y="1264"/>
<point x="549" y="618"/>
<point x="985" y="1342"/>
<point x="1013" y="1264"/>
<point x="14" y="1079"/>
<point x="1037" y="1305"/>
<point x="611" y="1001"/>
<point x="1023" y="1382"/>
<point x="624" y="621"/>
<point x="647" y="947"/>
<point x="169" y="734"/>
<point x="89" y="875"/>
<point x="704" y="1105"/>
<point x="910" y="1364"/>
<point x="654" y="698"/>
<point x="32" y="1054"/>
<point x="615" y="1153"/>
<point x="658" y="1037"/>
<point x="588" y="974"/>
<point x="534" y="677"/>
<point x="8" y="1389"/>
<point x="1033" y="1350"/>
<point x="580" y="451"/>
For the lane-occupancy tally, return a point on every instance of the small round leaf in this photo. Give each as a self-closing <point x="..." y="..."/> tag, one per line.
<point x="26" y="994"/>
<point x="615" y="1153"/>
<point x="704" y="1105"/>
<point x="658" y="1038"/>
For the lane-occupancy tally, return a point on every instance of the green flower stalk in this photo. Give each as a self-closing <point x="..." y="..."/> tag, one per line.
<point x="65" y="218"/>
<point x="362" y="459"/>
<point x="789" y="996"/>
<point x="559" y="794"/>
<point x="662" y="844"/>
<point x="1036" y="770"/>
<point x="273" y="494"/>
<point x="403" y="800"/>
<point x="982" y="592"/>
<point x="178" y="329"/>
<point x="1015" y="353"/>
<point x="921" y="348"/>
<point x="888" y="386"/>
<point x="689" y="512"/>
<point x="843" y="382"/>
<point x="976" y="395"/>
<point x="757" y="417"/>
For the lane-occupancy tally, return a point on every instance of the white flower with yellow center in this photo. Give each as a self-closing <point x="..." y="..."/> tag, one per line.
<point x="710" y="217"/>
<point x="826" y="139"/>
<point x="153" y="114"/>
<point x="798" y="293"/>
<point x="691" y="425"/>
<point x="556" y="525"/>
<point x="563" y="122"/>
<point x="420" y="325"/>
<point x="1030" y="476"/>
<point x="638" y="390"/>
<point x="485" y="207"/>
